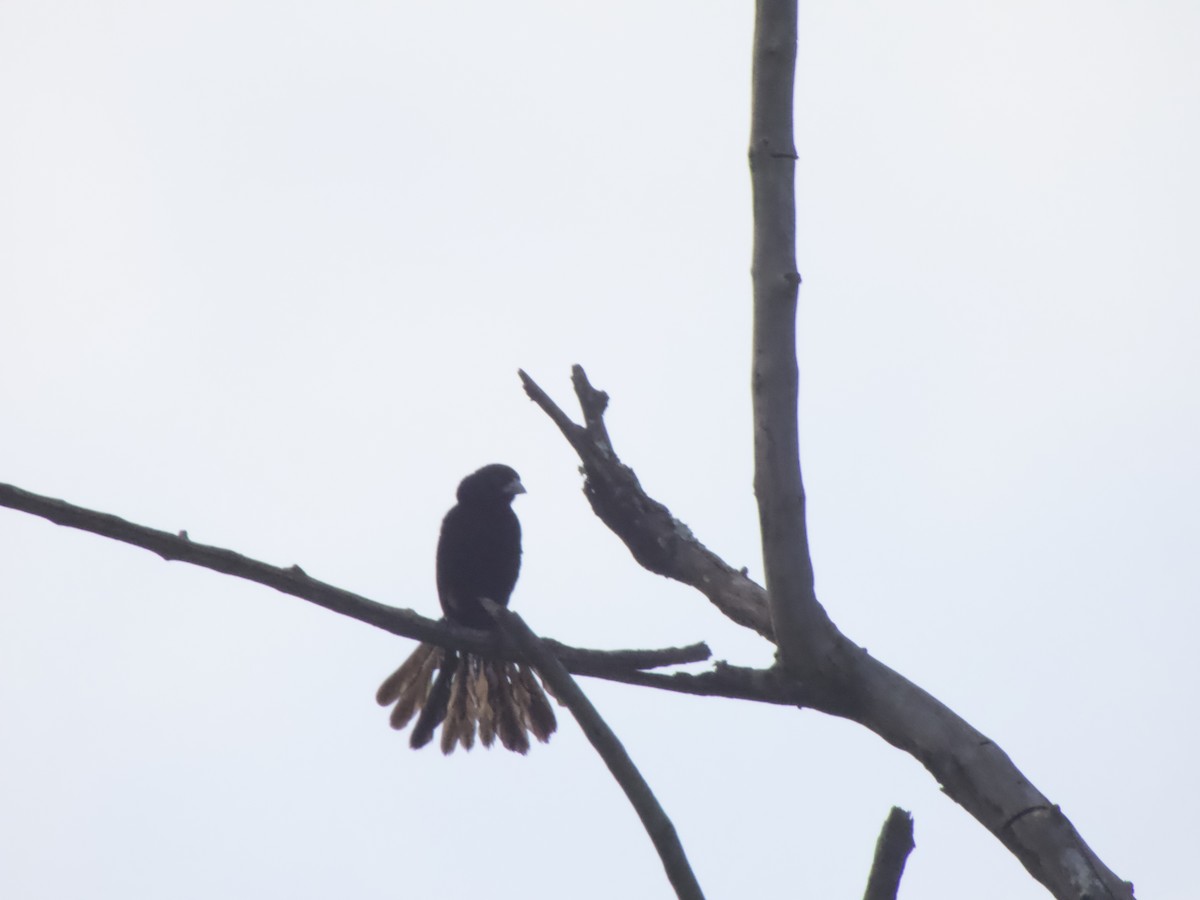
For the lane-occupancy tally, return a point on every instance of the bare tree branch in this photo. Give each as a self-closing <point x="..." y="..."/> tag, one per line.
<point x="723" y="680"/>
<point x="658" y="541"/>
<point x="971" y="768"/>
<point x="608" y="745"/>
<point x="805" y="635"/>
<point x="294" y="581"/>
<point x="891" y="853"/>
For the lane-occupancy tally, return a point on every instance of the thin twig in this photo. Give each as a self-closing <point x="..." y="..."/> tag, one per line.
<point x="608" y="745"/>
<point x="723" y="680"/>
<point x="891" y="853"/>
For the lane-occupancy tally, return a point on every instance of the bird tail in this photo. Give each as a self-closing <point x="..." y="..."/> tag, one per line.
<point x="471" y="694"/>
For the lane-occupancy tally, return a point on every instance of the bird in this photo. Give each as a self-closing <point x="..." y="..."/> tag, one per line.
<point x="478" y="556"/>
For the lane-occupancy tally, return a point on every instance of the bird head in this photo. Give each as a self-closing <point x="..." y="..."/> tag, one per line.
<point x="492" y="483"/>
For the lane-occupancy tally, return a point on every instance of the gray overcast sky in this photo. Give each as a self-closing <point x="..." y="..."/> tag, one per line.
<point x="267" y="271"/>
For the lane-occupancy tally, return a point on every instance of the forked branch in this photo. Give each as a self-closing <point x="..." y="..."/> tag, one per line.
<point x="658" y="541"/>
<point x="970" y="767"/>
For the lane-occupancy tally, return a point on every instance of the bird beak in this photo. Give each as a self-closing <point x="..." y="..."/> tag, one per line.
<point x="515" y="487"/>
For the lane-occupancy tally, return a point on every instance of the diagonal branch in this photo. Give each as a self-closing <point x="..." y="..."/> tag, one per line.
<point x="608" y="745"/>
<point x="657" y="540"/>
<point x="294" y="581"/>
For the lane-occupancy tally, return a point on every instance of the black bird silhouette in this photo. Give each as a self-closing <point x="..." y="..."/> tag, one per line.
<point x="478" y="555"/>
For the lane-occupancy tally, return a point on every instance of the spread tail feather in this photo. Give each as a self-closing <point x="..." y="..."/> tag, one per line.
<point x="408" y="686"/>
<point x="437" y="704"/>
<point x="501" y="699"/>
<point x="540" y="713"/>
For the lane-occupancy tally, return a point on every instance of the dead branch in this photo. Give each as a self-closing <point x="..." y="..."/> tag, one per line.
<point x="891" y="853"/>
<point x="608" y="745"/>
<point x="970" y="767"/>
<point x="658" y="541"/>
<point x="804" y="634"/>
<point x="294" y="581"/>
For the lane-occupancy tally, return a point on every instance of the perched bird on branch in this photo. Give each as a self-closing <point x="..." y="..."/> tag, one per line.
<point x="478" y="555"/>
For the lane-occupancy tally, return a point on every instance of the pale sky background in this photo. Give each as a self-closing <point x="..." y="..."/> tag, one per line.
<point x="267" y="271"/>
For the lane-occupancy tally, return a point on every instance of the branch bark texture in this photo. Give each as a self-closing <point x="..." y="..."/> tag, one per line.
<point x="891" y="853"/>
<point x="658" y="541"/>
<point x="804" y="634"/>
